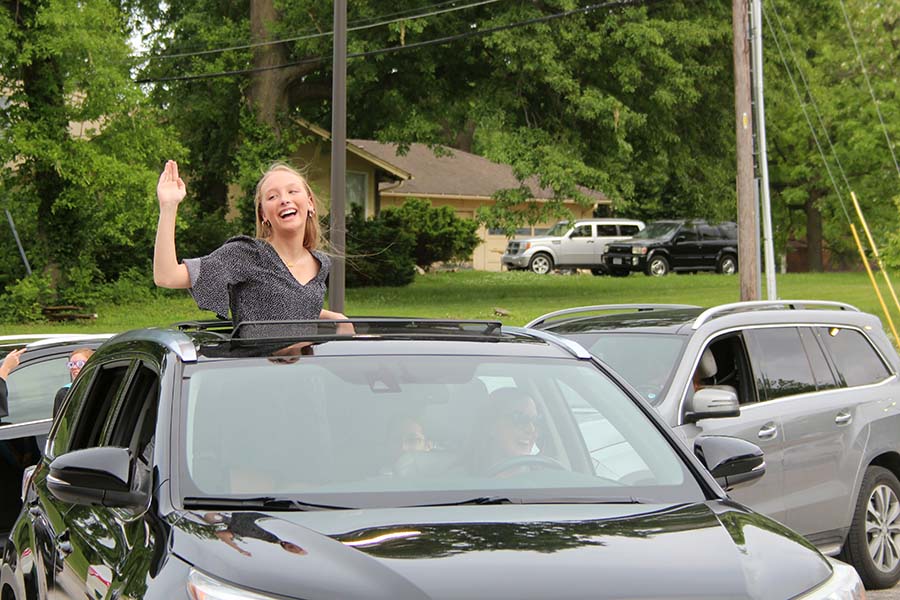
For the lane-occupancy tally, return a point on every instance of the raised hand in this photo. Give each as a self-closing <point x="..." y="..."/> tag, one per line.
<point x="10" y="362"/>
<point x="170" y="190"/>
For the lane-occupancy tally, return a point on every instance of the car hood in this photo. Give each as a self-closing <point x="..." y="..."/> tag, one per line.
<point x="539" y="240"/>
<point x="640" y="242"/>
<point x="707" y="550"/>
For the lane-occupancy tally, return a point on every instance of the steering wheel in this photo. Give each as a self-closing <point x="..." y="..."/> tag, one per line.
<point x="535" y="460"/>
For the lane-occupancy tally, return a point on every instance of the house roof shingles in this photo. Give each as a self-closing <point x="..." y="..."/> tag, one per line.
<point x="454" y="174"/>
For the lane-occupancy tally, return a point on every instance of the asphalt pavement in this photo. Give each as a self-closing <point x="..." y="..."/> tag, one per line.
<point x="891" y="594"/>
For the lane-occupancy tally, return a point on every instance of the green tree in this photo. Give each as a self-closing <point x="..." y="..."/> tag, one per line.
<point x="634" y="102"/>
<point x="813" y="47"/>
<point x="80" y="144"/>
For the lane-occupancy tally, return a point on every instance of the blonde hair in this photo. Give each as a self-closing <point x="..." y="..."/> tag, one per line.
<point x="312" y="234"/>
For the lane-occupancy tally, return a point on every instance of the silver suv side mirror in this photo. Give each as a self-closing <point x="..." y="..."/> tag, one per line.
<point x="712" y="402"/>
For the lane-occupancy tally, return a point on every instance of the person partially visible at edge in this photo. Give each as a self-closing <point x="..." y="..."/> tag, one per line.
<point x="10" y="362"/>
<point x="76" y="362"/>
<point x="278" y="276"/>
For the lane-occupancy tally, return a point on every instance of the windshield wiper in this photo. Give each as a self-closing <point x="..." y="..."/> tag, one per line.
<point x="262" y="502"/>
<point x="487" y="500"/>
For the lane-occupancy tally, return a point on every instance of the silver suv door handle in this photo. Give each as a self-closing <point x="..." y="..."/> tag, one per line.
<point x="843" y="418"/>
<point x="767" y="431"/>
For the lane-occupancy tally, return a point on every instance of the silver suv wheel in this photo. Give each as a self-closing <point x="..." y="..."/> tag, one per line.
<point x="873" y="543"/>
<point x="541" y="264"/>
<point x="883" y="528"/>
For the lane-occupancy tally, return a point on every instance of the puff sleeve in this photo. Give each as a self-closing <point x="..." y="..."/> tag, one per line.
<point x="213" y="276"/>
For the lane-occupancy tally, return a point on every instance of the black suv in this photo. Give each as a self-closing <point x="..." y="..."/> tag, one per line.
<point x="412" y="459"/>
<point x="682" y="246"/>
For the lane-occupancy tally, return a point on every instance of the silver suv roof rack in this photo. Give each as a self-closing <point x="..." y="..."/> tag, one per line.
<point x="718" y="311"/>
<point x="602" y="307"/>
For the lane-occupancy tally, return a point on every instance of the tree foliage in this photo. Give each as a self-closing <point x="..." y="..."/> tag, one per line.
<point x="440" y="236"/>
<point x="80" y="144"/>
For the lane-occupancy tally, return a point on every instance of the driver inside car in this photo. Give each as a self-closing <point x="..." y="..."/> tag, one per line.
<point x="510" y="431"/>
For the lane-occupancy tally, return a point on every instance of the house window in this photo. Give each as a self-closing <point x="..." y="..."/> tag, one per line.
<point x="357" y="188"/>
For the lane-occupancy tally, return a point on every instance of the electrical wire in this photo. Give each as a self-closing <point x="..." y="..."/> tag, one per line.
<point x="865" y="72"/>
<point x="413" y="46"/>
<point x="321" y="34"/>
<point x="812" y="129"/>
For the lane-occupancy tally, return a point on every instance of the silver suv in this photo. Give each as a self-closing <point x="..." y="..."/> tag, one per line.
<point x="814" y="384"/>
<point x="569" y="244"/>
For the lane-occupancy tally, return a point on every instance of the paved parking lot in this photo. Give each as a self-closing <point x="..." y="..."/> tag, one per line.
<point x="891" y="594"/>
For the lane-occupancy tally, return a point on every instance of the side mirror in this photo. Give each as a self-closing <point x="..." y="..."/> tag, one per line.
<point x="732" y="461"/>
<point x="712" y="402"/>
<point x="99" y="477"/>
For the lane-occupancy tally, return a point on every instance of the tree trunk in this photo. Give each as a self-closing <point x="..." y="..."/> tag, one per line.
<point x="267" y="87"/>
<point x="814" y="234"/>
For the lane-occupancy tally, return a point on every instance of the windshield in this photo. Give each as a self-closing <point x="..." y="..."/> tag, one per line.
<point x="559" y="229"/>
<point x="368" y="431"/>
<point x="646" y="361"/>
<point x="656" y="231"/>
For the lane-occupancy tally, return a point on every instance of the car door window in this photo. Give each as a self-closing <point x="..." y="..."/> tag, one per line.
<point x="582" y="231"/>
<point x="32" y="388"/>
<point x="606" y="231"/>
<point x="709" y="233"/>
<point x="822" y="372"/>
<point x="135" y="420"/>
<point x="781" y="360"/>
<point x="94" y="411"/>
<point x="686" y="234"/>
<point x="857" y="362"/>
<point x="628" y="230"/>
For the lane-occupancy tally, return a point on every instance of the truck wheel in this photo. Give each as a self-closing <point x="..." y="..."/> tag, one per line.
<point x="873" y="544"/>
<point x="658" y="266"/>
<point x="541" y="263"/>
<point x="727" y="265"/>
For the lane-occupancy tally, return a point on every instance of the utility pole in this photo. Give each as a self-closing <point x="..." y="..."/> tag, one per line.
<point x="748" y="217"/>
<point x="338" y="158"/>
<point x="762" y="156"/>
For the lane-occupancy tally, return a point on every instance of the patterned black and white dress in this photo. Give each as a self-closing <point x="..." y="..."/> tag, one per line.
<point x="246" y="276"/>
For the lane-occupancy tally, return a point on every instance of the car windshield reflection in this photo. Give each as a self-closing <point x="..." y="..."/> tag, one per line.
<point x="421" y="430"/>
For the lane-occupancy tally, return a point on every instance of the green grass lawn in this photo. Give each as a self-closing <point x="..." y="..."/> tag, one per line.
<point x="475" y="295"/>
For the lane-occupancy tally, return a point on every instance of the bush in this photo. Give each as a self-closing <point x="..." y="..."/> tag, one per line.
<point x="378" y="253"/>
<point x="133" y="286"/>
<point x="22" y="302"/>
<point x="439" y="234"/>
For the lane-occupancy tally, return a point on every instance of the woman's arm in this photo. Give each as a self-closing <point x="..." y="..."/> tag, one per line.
<point x="167" y="271"/>
<point x="341" y="328"/>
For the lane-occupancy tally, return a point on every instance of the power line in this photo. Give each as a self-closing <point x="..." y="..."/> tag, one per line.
<point x="812" y="129"/>
<point x="320" y="34"/>
<point x="862" y="64"/>
<point x="413" y="46"/>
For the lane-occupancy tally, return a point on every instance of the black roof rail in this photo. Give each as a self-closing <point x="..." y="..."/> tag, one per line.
<point x="723" y="309"/>
<point x="604" y="307"/>
<point x="371" y="327"/>
<point x="204" y="325"/>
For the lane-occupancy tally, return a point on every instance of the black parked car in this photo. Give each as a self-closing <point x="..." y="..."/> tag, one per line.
<point x="414" y="460"/>
<point x="682" y="246"/>
<point x="32" y="387"/>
